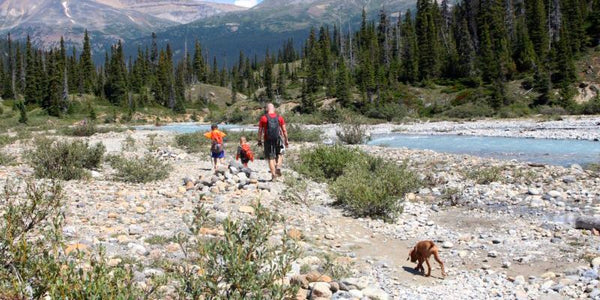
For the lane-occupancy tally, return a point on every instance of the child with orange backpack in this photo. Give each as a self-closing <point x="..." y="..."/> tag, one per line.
<point x="244" y="152"/>
<point x="217" y="149"/>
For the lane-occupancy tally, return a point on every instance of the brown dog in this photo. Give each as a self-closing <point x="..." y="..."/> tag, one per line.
<point x="421" y="252"/>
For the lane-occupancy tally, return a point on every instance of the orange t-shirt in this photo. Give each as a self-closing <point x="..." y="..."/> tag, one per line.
<point x="215" y="135"/>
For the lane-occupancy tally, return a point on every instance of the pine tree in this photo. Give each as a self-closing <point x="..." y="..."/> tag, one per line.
<point x="427" y="30"/>
<point x="410" y="62"/>
<point x="524" y="54"/>
<point x="54" y="89"/>
<point x="116" y="76"/>
<point x="538" y="27"/>
<point x="86" y="65"/>
<point x="32" y="88"/>
<point x="344" y="97"/>
<point x="467" y="58"/>
<point x="22" y="112"/>
<point x="199" y="65"/>
<point x="268" y="77"/>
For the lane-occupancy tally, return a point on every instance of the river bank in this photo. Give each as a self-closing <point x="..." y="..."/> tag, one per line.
<point x="569" y="127"/>
<point x="506" y="236"/>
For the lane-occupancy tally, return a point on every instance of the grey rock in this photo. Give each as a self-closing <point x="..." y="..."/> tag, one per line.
<point x="569" y="179"/>
<point x="135" y="229"/>
<point x="374" y="293"/>
<point x="533" y="191"/>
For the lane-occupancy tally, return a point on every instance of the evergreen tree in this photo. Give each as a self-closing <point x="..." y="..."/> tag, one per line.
<point x="32" y="93"/>
<point x="538" y="27"/>
<point x="524" y="54"/>
<point x="86" y="65"/>
<point x="410" y="62"/>
<point x="268" y="77"/>
<point x="343" y="94"/>
<point x="22" y="112"/>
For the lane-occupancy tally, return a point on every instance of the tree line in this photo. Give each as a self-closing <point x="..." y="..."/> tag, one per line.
<point x="474" y="43"/>
<point x="482" y="44"/>
<point x="47" y="78"/>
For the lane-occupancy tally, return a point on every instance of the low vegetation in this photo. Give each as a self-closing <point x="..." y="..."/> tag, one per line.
<point x="6" y="159"/>
<point x="64" y="160"/>
<point x="139" y="170"/>
<point x="352" y="134"/>
<point x="244" y="264"/>
<point x="486" y="175"/>
<point x="36" y="263"/>
<point x="296" y="133"/>
<point x="366" y="185"/>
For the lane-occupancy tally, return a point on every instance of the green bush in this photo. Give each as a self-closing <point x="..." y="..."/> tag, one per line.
<point x="366" y="185"/>
<point x="486" y="175"/>
<point x="244" y="264"/>
<point x="326" y="162"/>
<point x="192" y="142"/>
<point x="352" y="134"/>
<point x="140" y="170"/>
<point x="6" y="159"/>
<point x="64" y="160"/>
<point x="374" y="188"/>
<point x="591" y="107"/>
<point x="33" y="265"/>
<point x="298" y="134"/>
<point x="470" y="110"/>
<point x="128" y="144"/>
<point x="84" y="129"/>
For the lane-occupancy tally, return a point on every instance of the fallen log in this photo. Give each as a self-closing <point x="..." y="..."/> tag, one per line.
<point x="589" y="223"/>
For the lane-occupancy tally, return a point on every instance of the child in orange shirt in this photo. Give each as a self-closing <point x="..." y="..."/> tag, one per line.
<point x="217" y="149"/>
<point x="244" y="152"/>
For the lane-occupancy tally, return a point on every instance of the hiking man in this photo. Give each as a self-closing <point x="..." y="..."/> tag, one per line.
<point x="271" y="130"/>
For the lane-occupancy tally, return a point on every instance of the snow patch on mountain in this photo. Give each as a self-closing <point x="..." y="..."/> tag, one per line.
<point x="246" y="3"/>
<point x="65" y="5"/>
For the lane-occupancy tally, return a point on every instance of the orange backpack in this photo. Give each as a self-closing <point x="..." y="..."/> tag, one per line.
<point x="247" y="152"/>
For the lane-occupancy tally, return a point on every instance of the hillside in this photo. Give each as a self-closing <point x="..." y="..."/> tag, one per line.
<point x="47" y="20"/>
<point x="270" y="23"/>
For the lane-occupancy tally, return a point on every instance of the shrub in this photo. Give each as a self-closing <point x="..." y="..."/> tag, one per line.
<point x="33" y="265"/>
<point x="192" y="142"/>
<point x="64" y="160"/>
<point x="298" y="134"/>
<point x="244" y="264"/>
<point x="140" y="170"/>
<point x="352" y="134"/>
<point x="128" y="144"/>
<point x="326" y="162"/>
<point x="83" y="129"/>
<point x="486" y="175"/>
<point x="470" y="110"/>
<point x="6" y="159"/>
<point x="374" y="188"/>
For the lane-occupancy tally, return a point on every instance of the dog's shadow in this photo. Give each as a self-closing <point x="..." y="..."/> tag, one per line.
<point x="414" y="271"/>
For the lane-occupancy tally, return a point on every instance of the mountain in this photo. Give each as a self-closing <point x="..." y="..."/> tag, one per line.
<point x="270" y="23"/>
<point x="47" y="20"/>
<point x="180" y="11"/>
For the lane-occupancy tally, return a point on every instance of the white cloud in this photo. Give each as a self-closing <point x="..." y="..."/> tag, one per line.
<point x="246" y="3"/>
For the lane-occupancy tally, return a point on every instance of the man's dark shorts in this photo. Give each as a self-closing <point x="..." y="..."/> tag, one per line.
<point x="272" y="149"/>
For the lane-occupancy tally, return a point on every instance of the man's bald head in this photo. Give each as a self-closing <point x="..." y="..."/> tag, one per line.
<point x="270" y="108"/>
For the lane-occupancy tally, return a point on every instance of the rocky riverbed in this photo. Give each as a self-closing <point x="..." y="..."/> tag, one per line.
<point x="504" y="228"/>
<point x="568" y="127"/>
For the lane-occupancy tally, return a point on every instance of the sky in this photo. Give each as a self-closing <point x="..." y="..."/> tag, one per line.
<point x="244" y="3"/>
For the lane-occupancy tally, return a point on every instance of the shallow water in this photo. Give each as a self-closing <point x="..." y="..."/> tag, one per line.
<point x="544" y="151"/>
<point x="191" y="127"/>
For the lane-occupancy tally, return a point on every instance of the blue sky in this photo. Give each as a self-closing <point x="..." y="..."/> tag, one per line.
<point x="245" y="3"/>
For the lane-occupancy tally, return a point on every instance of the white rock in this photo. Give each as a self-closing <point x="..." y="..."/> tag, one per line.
<point x="375" y="293"/>
<point x="447" y="245"/>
